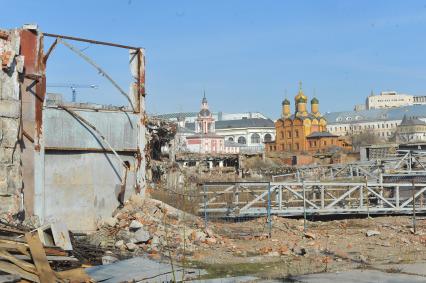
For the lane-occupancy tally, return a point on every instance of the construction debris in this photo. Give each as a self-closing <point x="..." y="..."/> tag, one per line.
<point x="146" y="225"/>
<point x="370" y="233"/>
<point x="27" y="258"/>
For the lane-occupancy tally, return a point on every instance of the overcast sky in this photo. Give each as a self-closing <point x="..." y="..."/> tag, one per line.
<point x="246" y="55"/>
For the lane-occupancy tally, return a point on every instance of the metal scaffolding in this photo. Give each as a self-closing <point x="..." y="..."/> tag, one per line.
<point x="404" y="162"/>
<point x="313" y="198"/>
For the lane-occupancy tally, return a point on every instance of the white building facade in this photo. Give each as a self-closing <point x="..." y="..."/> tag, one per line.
<point x="391" y="99"/>
<point x="248" y="134"/>
<point x="381" y="122"/>
<point x="411" y="130"/>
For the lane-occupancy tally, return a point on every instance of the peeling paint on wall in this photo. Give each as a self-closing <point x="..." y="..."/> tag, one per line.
<point x="69" y="167"/>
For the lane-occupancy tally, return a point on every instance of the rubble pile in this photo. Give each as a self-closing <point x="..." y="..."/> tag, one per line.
<point x="40" y="255"/>
<point x="146" y="225"/>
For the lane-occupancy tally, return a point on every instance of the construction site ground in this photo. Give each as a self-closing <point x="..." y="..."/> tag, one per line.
<point x="245" y="248"/>
<point x="326" y="246"/>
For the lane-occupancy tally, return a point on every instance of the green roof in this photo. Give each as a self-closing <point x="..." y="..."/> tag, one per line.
<point x="314" y="101"/>
<point x="286" y="102"/>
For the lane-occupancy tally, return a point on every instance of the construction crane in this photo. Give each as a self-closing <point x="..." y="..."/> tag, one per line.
<point x="73" y="88"/>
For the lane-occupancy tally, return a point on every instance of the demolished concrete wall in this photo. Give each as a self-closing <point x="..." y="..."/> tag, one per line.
<point x="82" y="177"/>
<point x="74" y="163"/>
<point x="10" y="117"/>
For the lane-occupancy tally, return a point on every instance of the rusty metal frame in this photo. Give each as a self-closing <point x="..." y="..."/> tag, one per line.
<point x="36" y="58"/>
<point x="98" y="68"/>
<point x="140" y="81"/>
<point x="91" y="41"/>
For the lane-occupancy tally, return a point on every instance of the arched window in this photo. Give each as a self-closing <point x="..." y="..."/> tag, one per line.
<point x="255" y="138"/>
<point x="242" y="140"/>
<point x="267" y="138"/>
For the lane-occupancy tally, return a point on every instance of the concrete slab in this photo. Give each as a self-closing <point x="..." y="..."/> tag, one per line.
<point x="139" y="269"/>
<point x="412" y="268"/>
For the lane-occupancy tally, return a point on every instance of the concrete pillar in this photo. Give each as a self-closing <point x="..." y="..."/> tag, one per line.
<point x="221" y="163"/>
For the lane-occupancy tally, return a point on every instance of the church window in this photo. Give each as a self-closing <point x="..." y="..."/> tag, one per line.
<point x="296" y="133"/>
<point x="297" y="146"/>
<point x="230" y="139"/>
<point x="242" y="140"/>
<point x="289" y="134"/>
<point x="282" y="135"/>
<point x="267" y="138"/>
<point x="255" y="138"/>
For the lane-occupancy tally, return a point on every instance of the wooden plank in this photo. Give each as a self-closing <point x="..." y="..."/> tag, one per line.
<point x="55" y="251"/>
<point x="45" y="273"/>
<point x="22" y="264"/>
<point x="13" y="269"/>
<point x="74" y="275"/>
<point x="11" y="230"/>
<point x="14" y="239"/>
<point x="50" y="258"/>
<point x="23" y="248"/>
<point x="15" y="247"/>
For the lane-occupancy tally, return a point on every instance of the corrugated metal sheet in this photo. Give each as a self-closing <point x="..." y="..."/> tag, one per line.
<point x="63" y="131"/>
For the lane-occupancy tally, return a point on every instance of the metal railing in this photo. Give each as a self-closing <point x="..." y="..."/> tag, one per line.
<point x="234" y="200"/>
<point x="224" y="201"/>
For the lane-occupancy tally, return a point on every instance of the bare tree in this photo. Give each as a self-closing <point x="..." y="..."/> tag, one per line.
<point x="364" y="138"/>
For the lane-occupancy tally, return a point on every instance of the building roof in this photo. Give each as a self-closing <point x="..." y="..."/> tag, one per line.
<point x="176" y="115"/>
<point x="286" y="102"/>
<point x="411" y="121"/>
<point x="375" y="114"/>
<point x="204" y="113"/>
<point x="245" y="123"/>
<point x="220" y="115"/>
<point x="321" y="135"/>
<point x="308" y="116"/>
<point x="301" y="100"/>
<point x="242" y="123"/>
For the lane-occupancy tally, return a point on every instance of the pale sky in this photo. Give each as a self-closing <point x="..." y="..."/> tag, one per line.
<point x="246" y="54"/>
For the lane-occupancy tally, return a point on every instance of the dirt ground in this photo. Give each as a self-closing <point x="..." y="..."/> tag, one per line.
<point x="149" y="226"/>
<point x="326" y="246"/>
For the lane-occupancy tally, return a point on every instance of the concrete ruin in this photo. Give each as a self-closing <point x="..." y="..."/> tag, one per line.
<point x="65" y="161"/>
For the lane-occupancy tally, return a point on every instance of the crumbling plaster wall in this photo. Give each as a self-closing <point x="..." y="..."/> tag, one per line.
<point x="11" y="183"/>
<point x="53" y="166"/>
